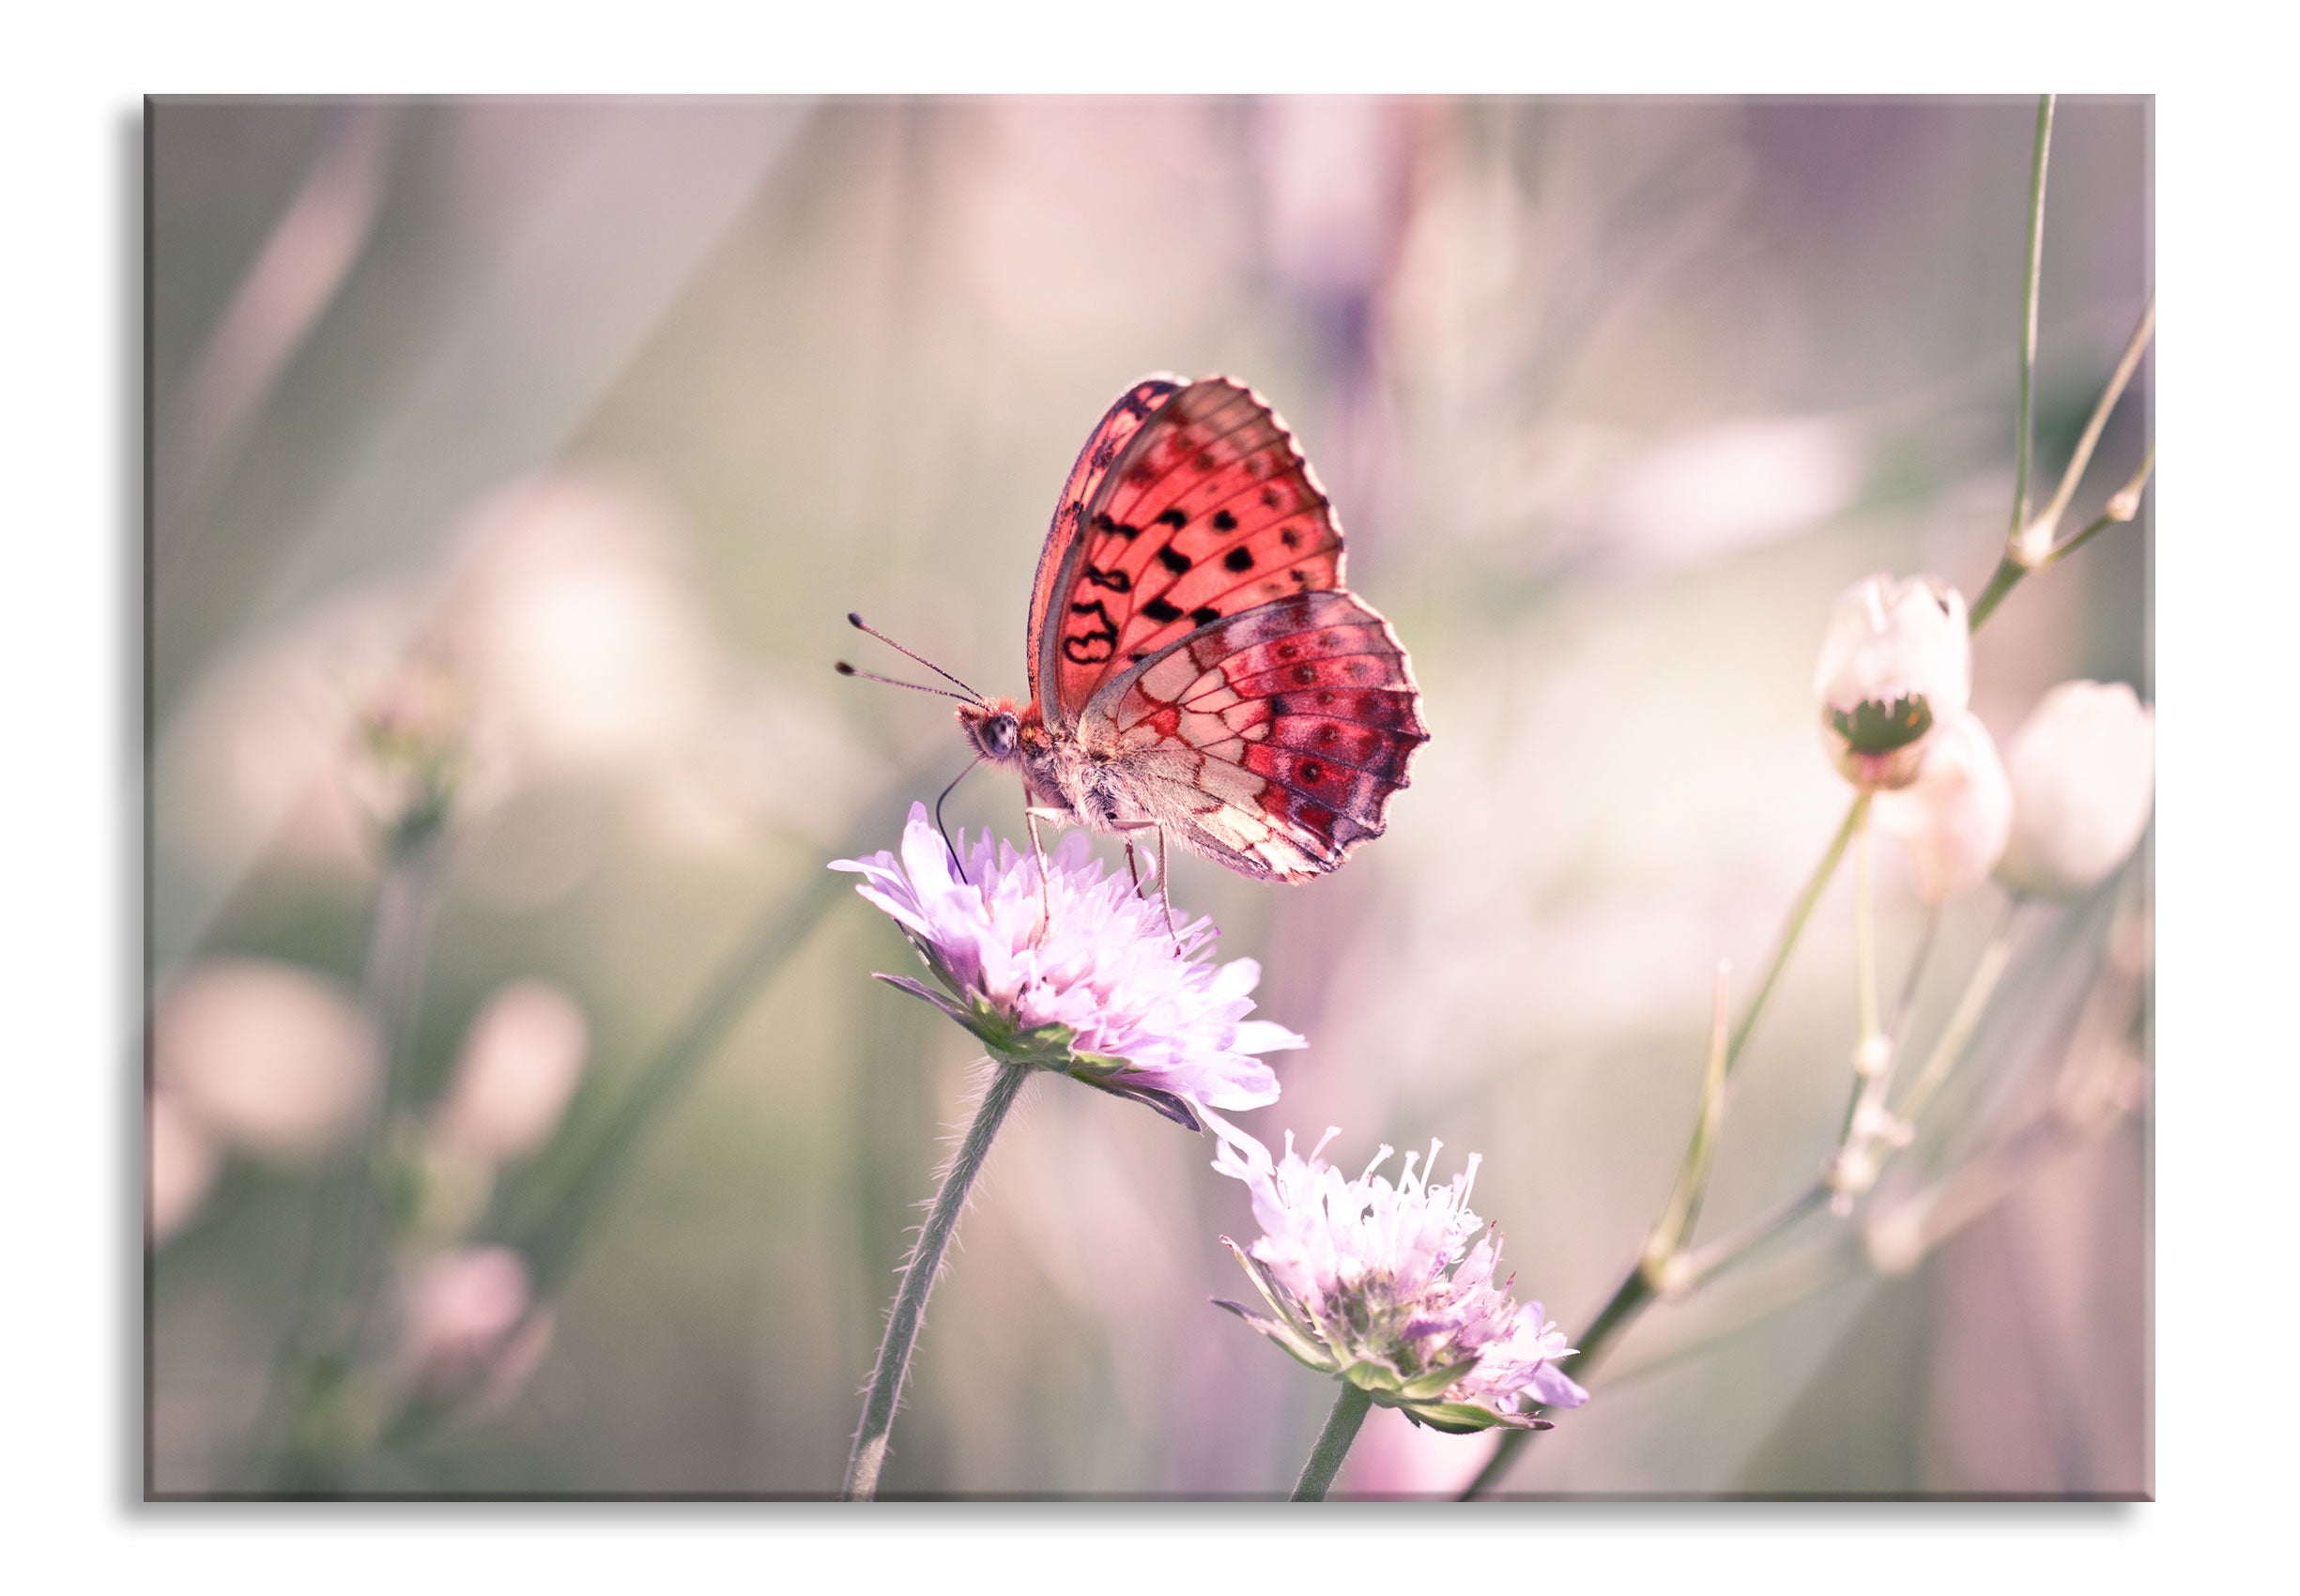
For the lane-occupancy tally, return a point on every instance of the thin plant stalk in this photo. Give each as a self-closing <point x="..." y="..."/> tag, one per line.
<point x="553" y="1239"/>
<point x="2030" y="549"/>
<point x="919" y="1277"/>
<point x="2024" y="436"/>
<point x="348" y="1214"/>
<point x="1707" y="1265"/>
<point x="1792" y="928"/>
<point x="583" y="1170"/>
<point x="1684" y="1211"/>
<point x="1986" y="972"/>
<point x="2123" y="505"/>
<point x="2036" y="547"/>
<point x="1638" y="1286"/>
<point x="1333" y="1444"/>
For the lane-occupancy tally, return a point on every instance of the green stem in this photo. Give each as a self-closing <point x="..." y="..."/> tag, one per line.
<point x="2024" y="430"/>
<point x="1794" y="927"/>
<point x="1864" y="935"/>
<point x="2122" y="506"/>
<point x="1628" y="1300"/>
<point x="2002" y="581"/>
<point x="2049" y="519"/>
<point x="919" y="1276"/>
<point x="1684" y="1211"/>
<point x="1637" y="1288"/>
<point x="1350" y="1409"/>
<point x="349" y="1212"/>
<point x="1708" y="1265"/>
<point x="1905" y="1005"/>
<point x="552" y="1240"/>
<point x="1987" y="971"/>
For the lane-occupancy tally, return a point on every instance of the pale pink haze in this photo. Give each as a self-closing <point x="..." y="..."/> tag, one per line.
<point x="1389" y="1284"/>
<point x="1953" y="820"/>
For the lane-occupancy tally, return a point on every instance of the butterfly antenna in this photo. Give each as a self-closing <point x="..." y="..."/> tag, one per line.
<point x="845" y="670"/>
<point x="861" y="625"/>
<point x="956" y="862"/>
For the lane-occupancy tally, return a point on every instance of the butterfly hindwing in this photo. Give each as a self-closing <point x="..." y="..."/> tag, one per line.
<point x="1207" y="511"/>
<point x="1272" y="738"/>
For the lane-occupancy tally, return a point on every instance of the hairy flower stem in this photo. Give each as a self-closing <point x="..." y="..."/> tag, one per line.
<point x="919" y="1276"/>
<point x="1350" y="1409"/>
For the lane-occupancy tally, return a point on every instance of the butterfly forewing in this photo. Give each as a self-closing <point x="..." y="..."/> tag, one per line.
<point x="1206" y="511"/>
<point x="1272" y="738"/>
<point x="1053" y="630"/>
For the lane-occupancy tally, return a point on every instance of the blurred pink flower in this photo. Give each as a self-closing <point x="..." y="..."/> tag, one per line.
<point x="1099" y="992"/>
<point x="1380" y="1286"/>
<point x="520" y="1061"/>
<point x="469" y="1333"/>
<point x="266" y="1056"/>
<point x="182" y="1166"/>
<point x="1954" y="818"/>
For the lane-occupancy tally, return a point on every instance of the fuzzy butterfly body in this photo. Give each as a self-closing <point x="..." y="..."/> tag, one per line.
<point x="1196" y="665"/>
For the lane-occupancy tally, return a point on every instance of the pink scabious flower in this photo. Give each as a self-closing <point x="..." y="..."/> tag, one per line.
<point x="1381" y="1285"/>
<point x="1082" y="977"/>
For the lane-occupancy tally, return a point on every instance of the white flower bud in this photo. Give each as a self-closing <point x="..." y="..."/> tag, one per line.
<point x="1896" y="661"/>
<point x="1954" y="821"/>
<point x="520" y="1063"/>
<point x="2083" y="773"/>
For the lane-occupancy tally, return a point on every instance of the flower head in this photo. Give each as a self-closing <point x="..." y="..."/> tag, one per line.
<point x="1896" y="661"/>
<point x="1382" y="1285"/>
<point x="1079" y="975"/>
<point x="1955" y="816"/>
<point x="2083" y="770"/>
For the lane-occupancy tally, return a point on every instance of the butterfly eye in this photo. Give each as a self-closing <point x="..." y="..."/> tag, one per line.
<point x="1000" y="734"/>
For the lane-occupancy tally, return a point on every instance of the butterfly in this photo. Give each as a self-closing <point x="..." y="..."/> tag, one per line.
<point x="1197" y="666"/>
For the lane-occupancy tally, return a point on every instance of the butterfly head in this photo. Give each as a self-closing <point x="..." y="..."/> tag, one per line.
<point x="995" y="727"/>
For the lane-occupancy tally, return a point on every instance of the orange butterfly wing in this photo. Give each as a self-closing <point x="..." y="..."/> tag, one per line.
<point x="1208" y="510"/>
<point x="1117" y="427"/>
<point x="1275" y="737"/>
<point x="1189" y="627"/>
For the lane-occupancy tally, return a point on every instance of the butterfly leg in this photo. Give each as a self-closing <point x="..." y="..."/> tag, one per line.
<point x="1132" y="873"/>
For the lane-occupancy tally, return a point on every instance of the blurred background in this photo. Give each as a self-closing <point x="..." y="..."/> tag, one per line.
<point x="522" y="1116"/>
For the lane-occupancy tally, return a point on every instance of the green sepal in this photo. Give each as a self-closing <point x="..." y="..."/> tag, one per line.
<point x="1300" y="1350"/>
<point x="921" y="991"/>
<point x="1437" y="1382"/>
<point x="1464" y="1418"/>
